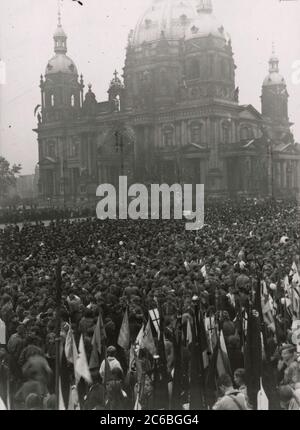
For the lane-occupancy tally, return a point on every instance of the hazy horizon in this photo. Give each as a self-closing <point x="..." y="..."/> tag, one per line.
<point x="97" y="38"/>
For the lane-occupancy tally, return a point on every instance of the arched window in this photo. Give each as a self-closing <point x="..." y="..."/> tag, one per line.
<point x="196" y="132"/>
<point x="72" y="100"/>
<point x="168" y="137"/>
<point x="117" y="103"/>
<point x="52" y="100"/>
<point x="194" y="69"/>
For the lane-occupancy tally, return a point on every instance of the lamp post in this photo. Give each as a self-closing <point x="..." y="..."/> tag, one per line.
<point x="198" y="371"/>
<point x="271" y="167"/>
<point x="270" y="159"/>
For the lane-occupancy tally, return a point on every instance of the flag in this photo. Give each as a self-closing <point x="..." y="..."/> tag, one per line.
<point x="2" y="332"/>
<point x="262" y="399"/>
<point x="124" y="335"/>
<point x="198" y="363"/>
<point x="223" y="363"/>
<point x="147" y="341"/>
<point x="137" y="405"/>
<point x="61" y="403"/>
<point x="178" y="371"/>
<point x="73" y="399"/>
<point x="8" y="395"/>
<point x="138" y="340"/>
<point x="203" y="342"/>
<point x="81" y="366"/>
<point x="98" y="343"/>
<point x="2" y="405"/>
<point x="211" y="332"/>
<point x="154" y="315"/>
<point x="211" y="378"/>
<point x="131" y="357"/>
<point x="203" y="271"/>
<point x="160" y="388"/>
<point x="219" y="365"/>
<point x="107" y="372"/>
<point x="294" y="269"/>
<point x="189" y="334"/>
<point x="70" y="347"/>
<point x="267" y="312"/>
<point x="295" y="295"/>
<point x="253" y="357"/>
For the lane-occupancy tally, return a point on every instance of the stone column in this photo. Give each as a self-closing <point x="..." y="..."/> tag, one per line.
<point x="284" y="174"/>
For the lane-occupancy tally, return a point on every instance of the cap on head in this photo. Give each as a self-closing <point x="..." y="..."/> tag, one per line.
<point x="111" y="350"/>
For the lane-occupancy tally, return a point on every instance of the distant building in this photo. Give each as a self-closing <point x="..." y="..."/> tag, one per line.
<point x="26" y="187"/>
<point x="175" y="116"/>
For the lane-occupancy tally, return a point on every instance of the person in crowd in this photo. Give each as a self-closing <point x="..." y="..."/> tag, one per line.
<point x="116" y="397"/>
<point x="95" y="398"/>
<point x="112" y="361"/>
<point x="288" y="358"/>
<point x="231" y="399"/>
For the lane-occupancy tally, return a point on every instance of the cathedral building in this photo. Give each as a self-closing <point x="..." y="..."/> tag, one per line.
<point x="172" y="117"/>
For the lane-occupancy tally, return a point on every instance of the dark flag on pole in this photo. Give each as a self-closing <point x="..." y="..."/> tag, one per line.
<point x="253" y="357"/>
<point x="199" y="363"/>
<point x="161" y="378"/>
<point x="98" y="343"/>
<point x="178" y="370"/>
<point x="211" y="378"/>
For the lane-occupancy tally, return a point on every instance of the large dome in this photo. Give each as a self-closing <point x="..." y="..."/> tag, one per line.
<point x="177" y="19"/>
<point x="170" y="17"/>
<point x="61" y="63"/>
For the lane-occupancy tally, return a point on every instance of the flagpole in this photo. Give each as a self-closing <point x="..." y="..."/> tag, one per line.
<point x="262" y="322"/>
<point x="198" y="344"/>
<point x="57" y="330"/>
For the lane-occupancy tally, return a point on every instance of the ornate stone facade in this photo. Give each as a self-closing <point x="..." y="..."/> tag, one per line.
<point x="174" y="117"/>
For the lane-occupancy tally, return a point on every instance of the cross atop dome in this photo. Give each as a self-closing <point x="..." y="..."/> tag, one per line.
<point x="116" y="81"/>
<point x="59" y="13"/>
<point x="60" y="37"/>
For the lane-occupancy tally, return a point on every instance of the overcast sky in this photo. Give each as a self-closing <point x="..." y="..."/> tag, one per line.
<point x="97" y="38"/>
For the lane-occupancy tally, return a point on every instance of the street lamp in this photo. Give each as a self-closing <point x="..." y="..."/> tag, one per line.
<point x="271" y="165"/>
<point x="270" y="159"/>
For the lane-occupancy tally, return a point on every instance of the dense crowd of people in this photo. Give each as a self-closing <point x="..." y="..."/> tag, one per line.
<point x="35" y="214"/>
<point x="180" y="320"/>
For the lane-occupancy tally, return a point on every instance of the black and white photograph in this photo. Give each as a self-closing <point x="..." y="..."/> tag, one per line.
<point x="149" y="208"/>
